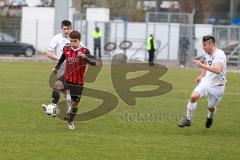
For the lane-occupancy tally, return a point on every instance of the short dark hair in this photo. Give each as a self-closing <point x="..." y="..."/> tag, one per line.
<point x="209" y="37"/>
<point x="75" y="35"/>
<point x="66" y="23"/>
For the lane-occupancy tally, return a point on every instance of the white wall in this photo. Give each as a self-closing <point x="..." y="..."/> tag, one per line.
<point x="37" y="26"/>
<point x="98" y="14"/>
<point x="32" y="3"/>
<point x="136" y="33"/>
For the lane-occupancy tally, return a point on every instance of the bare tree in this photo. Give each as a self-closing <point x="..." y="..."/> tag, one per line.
<point x="117" y="8"/>
<point x="204" y="8"/>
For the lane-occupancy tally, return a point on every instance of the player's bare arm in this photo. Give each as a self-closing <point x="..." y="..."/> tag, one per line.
<point x="215" y="69"/>
<point x="99" y="63"/>
<point x="53" y="56"/>
<point x="203" y="73"/>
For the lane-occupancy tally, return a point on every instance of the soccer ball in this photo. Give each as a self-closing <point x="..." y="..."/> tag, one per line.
<point x="51" y="109"/>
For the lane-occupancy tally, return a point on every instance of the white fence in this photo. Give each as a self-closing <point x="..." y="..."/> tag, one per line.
<point x="38" y="27"/>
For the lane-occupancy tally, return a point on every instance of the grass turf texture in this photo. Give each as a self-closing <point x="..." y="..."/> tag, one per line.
<point x="27" y="133"/>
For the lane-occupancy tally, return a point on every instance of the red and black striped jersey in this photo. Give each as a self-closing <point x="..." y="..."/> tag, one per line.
<point x="75" y="64"/>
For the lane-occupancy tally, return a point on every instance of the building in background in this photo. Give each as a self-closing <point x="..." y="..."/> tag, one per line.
<point x="4" y="3"/>
<point x="210" y="11"/>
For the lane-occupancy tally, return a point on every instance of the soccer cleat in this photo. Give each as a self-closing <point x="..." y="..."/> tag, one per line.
<point x="184" y="122"/>
<point x="209" y="122"/>
<point x="71" y="125"/>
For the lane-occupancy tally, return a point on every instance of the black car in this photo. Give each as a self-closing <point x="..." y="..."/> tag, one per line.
<point x="8" y="45"/>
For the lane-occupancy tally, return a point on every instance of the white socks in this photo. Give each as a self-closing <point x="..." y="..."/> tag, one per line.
<point x="190" y="109"/>
<point x="68" y="99"/>
<point x="211" y="114"/>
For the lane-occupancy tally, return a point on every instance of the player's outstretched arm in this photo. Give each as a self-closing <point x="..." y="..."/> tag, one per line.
<point x="99" y="63"/>
<point x="91" y="60"/>
<point x="53" y="56"/>
<point x="215" y="69"/>
<point x="203" y="73"/>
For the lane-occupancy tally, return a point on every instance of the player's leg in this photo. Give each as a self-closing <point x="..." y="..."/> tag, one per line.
<point x="60" y="73"/>
<point x="199" y="91"/>
<point x="211" y="113"/>
<point x="191" y="107"/>
<point x="73" y="111"/>
<point x="214" y="97"/>
<point x="76" y="93"/>
<point x="58" y="86"/>
<point x="192" y="104"/>
<point x="68" y="99"/>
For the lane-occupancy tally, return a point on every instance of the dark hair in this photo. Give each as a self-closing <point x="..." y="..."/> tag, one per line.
<point x="66" y="23"/>
<point x="75" y="35"/>
<point x="207" y="38"/>
<point x="97" y="29"/>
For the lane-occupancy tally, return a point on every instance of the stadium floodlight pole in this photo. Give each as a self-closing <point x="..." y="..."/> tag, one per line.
<point x="157" y="7"/>
<point x="61" y="13"/>
<point x="192" y="43"/>
<point x="231" y="10"/>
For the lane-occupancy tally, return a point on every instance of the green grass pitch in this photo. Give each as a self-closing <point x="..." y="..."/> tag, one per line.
<point x="26" y="132"/>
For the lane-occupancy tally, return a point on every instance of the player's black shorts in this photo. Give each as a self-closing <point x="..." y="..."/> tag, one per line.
<point x="75" y="89"/>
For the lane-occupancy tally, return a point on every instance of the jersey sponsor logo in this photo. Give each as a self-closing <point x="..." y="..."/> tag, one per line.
<point x="72" y="60"/>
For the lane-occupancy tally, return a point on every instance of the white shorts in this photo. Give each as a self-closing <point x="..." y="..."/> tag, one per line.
<point x="214" y="94"/>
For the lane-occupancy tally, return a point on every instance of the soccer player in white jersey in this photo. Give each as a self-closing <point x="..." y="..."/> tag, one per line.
<point x="58" y="41"/>
<point x="211" y="81"/>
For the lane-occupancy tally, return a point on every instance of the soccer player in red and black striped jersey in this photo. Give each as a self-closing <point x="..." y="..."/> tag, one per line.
<point x="76" y="57"/>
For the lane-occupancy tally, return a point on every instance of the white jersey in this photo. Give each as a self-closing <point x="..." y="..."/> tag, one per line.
<point x="213" y="79"/>
<point x="57" y="43"/>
